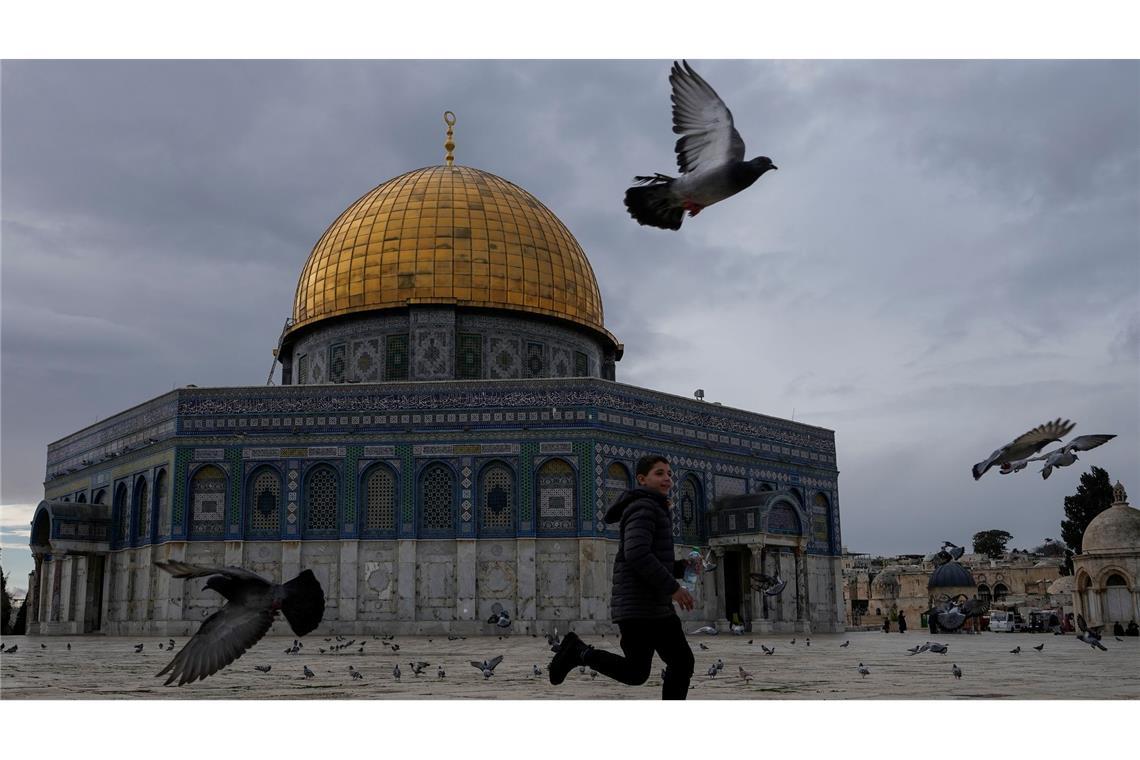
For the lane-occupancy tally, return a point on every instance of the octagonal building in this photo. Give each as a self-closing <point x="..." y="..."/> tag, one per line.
<point x="447" y="433"/>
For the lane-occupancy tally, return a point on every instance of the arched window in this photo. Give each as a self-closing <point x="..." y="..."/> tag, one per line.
<point x="1115" y="580"/>
<point x="557" y="497"/>
<point x="496" y="500"/>
<point x="263" y="504"/>
<point x="437" y="501"/>
<point x="783" y="518"/>
<point x="142" y="509"/>
<point x="100" y="496"/>
<point x="691" y="508"/>
<point x="120" y="507"/>
<point x="617" y="483"/>
<point x="162" y="496"/>
<point x="321" y="496"/>
<point x="1000" y="592"/>
<point x="208" y="503"/>
<point x="81" y="499"/>
<point x="380" y="502"/>
<point x="984" y="593"/>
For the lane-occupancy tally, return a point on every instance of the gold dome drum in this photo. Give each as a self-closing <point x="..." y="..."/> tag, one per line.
<point x="448" y="235"/>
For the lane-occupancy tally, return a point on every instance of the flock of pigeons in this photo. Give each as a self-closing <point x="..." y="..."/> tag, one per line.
<point x="1018" y="453"/>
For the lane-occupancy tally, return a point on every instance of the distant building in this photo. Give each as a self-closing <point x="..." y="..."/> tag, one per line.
<point x="1105" y="589"/>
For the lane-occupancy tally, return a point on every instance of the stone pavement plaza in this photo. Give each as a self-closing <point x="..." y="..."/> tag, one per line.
<point x="108" y="668"/>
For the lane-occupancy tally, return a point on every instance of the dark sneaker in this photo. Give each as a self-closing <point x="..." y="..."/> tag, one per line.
<point x="565" y="659"/>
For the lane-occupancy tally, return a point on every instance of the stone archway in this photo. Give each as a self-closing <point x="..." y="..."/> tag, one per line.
<point x="1117" y="600"/>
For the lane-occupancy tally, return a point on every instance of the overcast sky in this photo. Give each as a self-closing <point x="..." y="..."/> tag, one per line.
<point x="948" y="255"/>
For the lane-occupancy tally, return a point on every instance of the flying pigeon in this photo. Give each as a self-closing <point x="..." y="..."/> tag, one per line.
<point x="744" y="674"/>
<point x="863" y="670"/>
<point x="957" y="671"/>
<point x="769" y="585"/>
<point x="953" y="550"/>
<point x="488" y="666"/>
<point x="1025" y="445"/>
<point x="308" y="673"/>
<point x="251" y="606"/>
<point x="1090" y="636"/>
<point x="710" y="630"/>
<point x="262" y="668"/>
<point x="1067" y="454"/>
<point x="710" y="157"/>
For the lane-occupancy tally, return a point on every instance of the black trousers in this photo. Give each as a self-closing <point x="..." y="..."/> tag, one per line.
<point x="639" y="640"/>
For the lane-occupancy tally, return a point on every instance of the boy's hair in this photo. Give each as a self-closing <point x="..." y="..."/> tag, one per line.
<point x="645" y="464"/>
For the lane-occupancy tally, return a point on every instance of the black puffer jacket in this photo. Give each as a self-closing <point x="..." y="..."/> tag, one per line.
<point x="644" y="570"/>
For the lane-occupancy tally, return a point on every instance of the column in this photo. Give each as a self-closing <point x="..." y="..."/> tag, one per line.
<point x="82" y="569"/>
<point x="67" y="570"/>
<point x="347" y="567"/>
<point x="406" y="580"/>
<point x="168" y="590"/>
<point x="525" y="602"/>
<point x="466" y="572"/>
<point x="712" y="606"/>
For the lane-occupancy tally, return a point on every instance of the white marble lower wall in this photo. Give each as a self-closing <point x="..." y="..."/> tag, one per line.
<point x="425" y="587"/>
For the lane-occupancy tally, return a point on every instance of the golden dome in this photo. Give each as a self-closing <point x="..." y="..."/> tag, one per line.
<point x="448" y="235"/>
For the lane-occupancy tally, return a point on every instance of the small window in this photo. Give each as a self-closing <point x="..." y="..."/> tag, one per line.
<point x="396" y="358"/>
<point x="302" y="369"/>
<point x="337" y="359"/>
<point x="581" y="364"/>
<point x="535" y="361"/>
<point x="469" y="357"/>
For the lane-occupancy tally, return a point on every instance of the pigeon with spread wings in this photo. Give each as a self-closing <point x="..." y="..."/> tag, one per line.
<point x="710" y="155"/>
<point x="1024" y="446"/>
<point x="1067" y="454"/>
<point x="252" y="603"/>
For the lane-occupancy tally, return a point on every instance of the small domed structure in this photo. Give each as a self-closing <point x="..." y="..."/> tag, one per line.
<point x="951" y="575"/>
<point x="1115" y="529"/>
<point x="1107" y="571"/>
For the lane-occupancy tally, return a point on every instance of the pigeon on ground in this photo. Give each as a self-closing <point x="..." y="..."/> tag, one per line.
<point x="957" y="671"/>
<point x="744" y="674"/>
<point x="488" y="666"/>
<point x="767" y="650"/>
<point x="43" y="646"/>
<point x="737" y="630"/>
<point x="845" y="644"/>
<point x="396" y="671"/>
<point x="719" y="664"/>
<point x="262" y="668"/>
<point x="1117" y="637"/>
<point x="940" y="648"/>
<point x="440" y="673"/>
<point x="808" y="642"/>
<point x="536" y="671"/>
<point x="139" y="648"/>
<point x="1040" y="646"/>
<point x="308" y="673"/>
<point x="1024" y="446"/>
<point x="792" y="642"/>
<point x="710" y="156"/>
<point x="708" y="630"/>
<point x="160" y="645"/>
<point x="418" y="667"/>
<point x="711" y="672"/>
<point x="863" y="670"/>
<point x="750" y="642"/>
<point x="357" y="675"/>
<point x="69" y="646"/>
<point x="593" y="674"/>
<point x="1067" y="454"/>
<point x="11" y="650"/>
<point x="702" y="645"/>
<point x="1015" y="650"/>
<point x="252" y="603"/>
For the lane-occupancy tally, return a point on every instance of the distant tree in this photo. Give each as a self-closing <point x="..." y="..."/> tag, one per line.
<point x="1093" y="496"/>
<point x="1050" y="548"/>
<point x="991" y="543"/>
<point x="5" y="604"/>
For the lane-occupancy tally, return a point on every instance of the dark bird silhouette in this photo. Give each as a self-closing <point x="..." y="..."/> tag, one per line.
<point x="710" y="156"/>
<point x="744" y="674"/>
<point x="702" y="645"/>
<point x="845" y="644"/>
<point x="957" y="671"/>
<point x="1015" y="650"/>
<point x="262" y="668"/>
<point x="252" y="603"/>
<point x="11" y="650"/>
<point x="864" y="670"/>
<point x="1040" y="646"/>
<point x="940" y="648"/>
<point x="1024" y="446"/>
<point x="396" y="671"/>
<point x="1090" y="636"/>
<point x="440" y="673"/>
<point x="138" y="648"/>
<point x="69" y="646"/>
<point x="308" y="673"/>
<point x="711" y="672"/>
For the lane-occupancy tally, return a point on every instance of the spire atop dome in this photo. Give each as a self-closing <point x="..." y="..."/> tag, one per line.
<point x="449" y="146"/>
